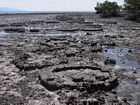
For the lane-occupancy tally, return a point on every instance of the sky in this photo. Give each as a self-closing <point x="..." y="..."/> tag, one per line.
<point x="53" y="5"/>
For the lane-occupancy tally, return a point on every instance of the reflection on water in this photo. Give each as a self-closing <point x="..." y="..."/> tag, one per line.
<point x="119" y="54"/>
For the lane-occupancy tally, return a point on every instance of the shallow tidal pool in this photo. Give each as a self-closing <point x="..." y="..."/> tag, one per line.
<point x="119" y="54"/>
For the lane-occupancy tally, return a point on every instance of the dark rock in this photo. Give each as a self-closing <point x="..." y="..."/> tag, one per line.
<point x="20" y="30"/>
<point x="130" y="50"/>
<point x="4" y="25"/>
<point x="81" y="89"/>
<point x="51" y="86"/>
<point x="17" y="24"/>
<point x="53" y="22"/>
<point x="93" y="29"/>
<point x="78" y="79"/>
<point x="121" y="36"/>
<point x="34" y="30"/>
<point x="109" y="43"/>
<point x="70" y="54"/>
<point x="97" y="49"/>
<point x="35" y="22"/>
<point x="110" y="36"/>
<point x="110" y="61"/>
<point x="89" y="33"/>
<point x="93" y="44"/>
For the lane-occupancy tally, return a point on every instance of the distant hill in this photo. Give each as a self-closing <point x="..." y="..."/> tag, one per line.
<point x="11" y="10"/>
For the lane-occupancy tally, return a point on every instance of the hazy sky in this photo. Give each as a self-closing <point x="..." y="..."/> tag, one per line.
<point x="53" y="5"/>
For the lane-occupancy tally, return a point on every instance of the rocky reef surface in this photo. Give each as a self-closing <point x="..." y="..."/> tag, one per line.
<point x="69" y="59"/>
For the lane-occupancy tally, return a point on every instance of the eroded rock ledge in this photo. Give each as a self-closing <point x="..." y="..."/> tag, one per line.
<point x="81" y="79"/>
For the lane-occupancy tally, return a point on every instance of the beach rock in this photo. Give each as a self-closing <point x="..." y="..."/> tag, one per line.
<point x="71" y="76"/>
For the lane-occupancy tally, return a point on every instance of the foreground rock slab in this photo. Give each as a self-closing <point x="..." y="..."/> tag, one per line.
<point x="84" y="79"/>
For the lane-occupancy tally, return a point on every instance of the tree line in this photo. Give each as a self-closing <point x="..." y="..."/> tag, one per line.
<point x="112" y="9"/>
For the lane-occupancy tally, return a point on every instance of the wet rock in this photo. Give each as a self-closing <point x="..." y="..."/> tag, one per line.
<point x="20" y="30"/>
<point x="4" y="25"/>
<point x="110" y="61"/>
<point x="34" y="30"/>
<point x="130" y="50"/>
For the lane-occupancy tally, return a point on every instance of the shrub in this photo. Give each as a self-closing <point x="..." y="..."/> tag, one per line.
<point x="132" y="7"/>
<point x="108" y="9"/>
<point x="98" y="8"/>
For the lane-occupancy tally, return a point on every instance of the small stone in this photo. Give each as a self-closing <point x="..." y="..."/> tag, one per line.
<point x="110" y="61"/>
<point x="113" y="91"/>
<point x="89" y="33"/>
<point x="130" y="50"/>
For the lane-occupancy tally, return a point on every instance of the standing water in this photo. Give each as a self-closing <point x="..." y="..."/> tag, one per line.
<point x="2" y="33"/>
<point x="119" y="54"/>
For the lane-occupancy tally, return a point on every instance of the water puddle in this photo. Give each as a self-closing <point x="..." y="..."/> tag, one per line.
<point x="120" y="55"/>
<point x="2" y="33"/>
<point x="130" y="89"/>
